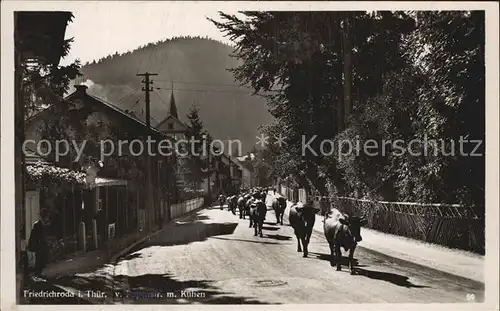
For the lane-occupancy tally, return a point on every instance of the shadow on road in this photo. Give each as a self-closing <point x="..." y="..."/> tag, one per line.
<point x="94" y="282"/>
<point x="131" y="256"/>
<point x="174" y="291"/>
<point x="250" y="241"/>
<point x="199" y="217"/>
<point x="327" y="257"/>
<point x="269" y="223"/>
<point x="278" y="237"/>
<point x="224" y="207"/>
<point x="270" y="228"/>
<point x="188" y="232"/>
<point x="393" y="278"/>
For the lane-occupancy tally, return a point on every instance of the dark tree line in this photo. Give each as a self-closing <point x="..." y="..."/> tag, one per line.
<point x="150" y="45"/>
<point x="355" y="76"/>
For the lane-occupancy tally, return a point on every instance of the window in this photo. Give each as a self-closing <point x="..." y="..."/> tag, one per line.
<point x="170" y="126"/>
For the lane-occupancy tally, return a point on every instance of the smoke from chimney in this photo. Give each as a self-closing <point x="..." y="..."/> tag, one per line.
<point x="108" y="92"/>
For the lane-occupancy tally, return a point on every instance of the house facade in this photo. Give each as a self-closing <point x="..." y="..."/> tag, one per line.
<point x="118" y="203"/>
<point x="224" y="173"/>
<point x="228" y="174"/>
<point x="173" y="127"/>
<point x="236" y="174"/>
<point x="225" y="176"/>
<point x="177" y="130"/>
<point x="249" y="178"/>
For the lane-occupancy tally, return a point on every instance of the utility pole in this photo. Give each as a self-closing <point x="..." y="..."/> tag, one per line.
<point x="149" y="185"/>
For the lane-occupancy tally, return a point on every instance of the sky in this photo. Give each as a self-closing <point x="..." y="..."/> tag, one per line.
<point x="100" y="29"/>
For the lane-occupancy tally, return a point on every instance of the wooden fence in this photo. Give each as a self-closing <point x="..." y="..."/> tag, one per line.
<point x="450" y="225"/>
<point x="179" y="209"/>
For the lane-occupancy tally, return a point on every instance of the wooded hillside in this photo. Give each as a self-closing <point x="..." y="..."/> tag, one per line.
<point x="198" y="69"/>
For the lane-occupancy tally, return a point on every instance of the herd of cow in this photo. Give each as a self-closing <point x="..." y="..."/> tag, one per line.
<point x="253" y="204"/>
<point x="340" y="229"/>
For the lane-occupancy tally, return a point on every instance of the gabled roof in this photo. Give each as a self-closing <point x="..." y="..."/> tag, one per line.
<point x="172" y="118"/>
<point x="231" y="160"/>
<point x="76" y="95"/>
<point x="113" y="108"/>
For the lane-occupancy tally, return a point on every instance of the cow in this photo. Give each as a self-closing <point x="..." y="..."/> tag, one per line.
<point x="342" y="230"/>
<point x="232" y="202"/>
<point x="302" y="218"/>
<point x="258" y="210"/>
<point x="222" y="200"/>
<point x="228" y="200"/>
<point x="248" y="203"/>
<point x="279" y="206"/>
<point x="241" y="206"/>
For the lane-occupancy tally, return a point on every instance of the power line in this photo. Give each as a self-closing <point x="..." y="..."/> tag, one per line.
<point x="161" y="98"/>
<point x="125" y="96"/>
<point x="207" y="84"/>
<point x="203" y="90"/>
<point x="135" y="104"/>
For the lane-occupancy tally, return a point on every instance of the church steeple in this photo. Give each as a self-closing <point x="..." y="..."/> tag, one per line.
<point x="173" y="107"/>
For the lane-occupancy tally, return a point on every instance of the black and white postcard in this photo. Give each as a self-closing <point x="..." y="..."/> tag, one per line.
<point x="250" y="153"/>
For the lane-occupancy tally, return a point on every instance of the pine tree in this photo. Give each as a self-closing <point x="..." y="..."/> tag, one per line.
<point x="46" y="83"/>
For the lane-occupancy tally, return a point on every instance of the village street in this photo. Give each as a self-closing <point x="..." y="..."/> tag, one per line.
<point x="212" y="257"/>
<point x="124" y="147"/>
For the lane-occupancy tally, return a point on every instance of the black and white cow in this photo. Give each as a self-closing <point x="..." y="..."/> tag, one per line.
<point x="248" y="204"/>
<point x="258" y="210"/>
<point x="342" y="231"/>
<point x="241" y="206"/>
<point x="279" y="206"/>
<point x="302" y="218"/>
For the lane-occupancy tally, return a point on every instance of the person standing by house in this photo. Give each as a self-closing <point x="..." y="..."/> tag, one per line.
<point x="37" y="243"/>
<point x="100" y="218"/>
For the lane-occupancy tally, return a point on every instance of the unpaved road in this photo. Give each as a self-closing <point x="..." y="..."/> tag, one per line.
<point x="214" y="258"/>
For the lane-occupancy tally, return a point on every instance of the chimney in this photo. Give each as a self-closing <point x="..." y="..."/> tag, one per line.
<point x="81" y="89"/>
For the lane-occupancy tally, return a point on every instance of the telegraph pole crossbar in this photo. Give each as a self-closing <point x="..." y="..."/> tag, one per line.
<point x="150" y="211"/>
